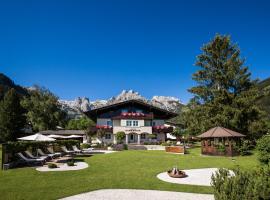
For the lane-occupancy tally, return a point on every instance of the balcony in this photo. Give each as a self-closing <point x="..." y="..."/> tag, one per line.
<point x="104" y="127"/>
<point x="133" y="115"/>
<point x="162" y="129"/>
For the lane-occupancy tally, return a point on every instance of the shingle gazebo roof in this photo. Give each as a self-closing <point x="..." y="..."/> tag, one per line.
<point x="220" y="132"/>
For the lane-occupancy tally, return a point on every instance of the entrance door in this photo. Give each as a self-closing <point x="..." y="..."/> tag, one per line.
<point x="132" y="137"/>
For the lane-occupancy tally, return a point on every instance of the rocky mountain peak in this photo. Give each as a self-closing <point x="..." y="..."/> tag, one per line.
<point x="82" y="104"/>
<point x="126" y="95"/>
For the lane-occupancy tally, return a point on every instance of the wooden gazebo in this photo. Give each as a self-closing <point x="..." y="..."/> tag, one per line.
<point x="220" y="141"/>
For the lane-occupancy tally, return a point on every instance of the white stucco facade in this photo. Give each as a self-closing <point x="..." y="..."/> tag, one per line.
<point x="136" y="132"/>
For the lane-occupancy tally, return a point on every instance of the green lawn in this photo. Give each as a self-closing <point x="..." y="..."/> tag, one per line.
<point x="126" y="169"/>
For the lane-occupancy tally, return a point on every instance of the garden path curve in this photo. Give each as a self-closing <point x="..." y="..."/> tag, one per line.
<point x="130" y="194"/>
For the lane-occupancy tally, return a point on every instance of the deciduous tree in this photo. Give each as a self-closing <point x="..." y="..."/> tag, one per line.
<point x="43" y="110"/>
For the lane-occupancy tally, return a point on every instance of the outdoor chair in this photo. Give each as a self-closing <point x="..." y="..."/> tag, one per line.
<point x="30" y="161"/>
<point x="41" y="153"/>
<point x="29" y="154"/>
<point x="89" y="150"/>
<point x="51" y="151"/>
<point x="75" y="148"/>
<point x="65" y="150"/>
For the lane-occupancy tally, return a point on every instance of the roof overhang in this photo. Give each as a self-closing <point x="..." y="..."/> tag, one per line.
<point x="164" y="113"/>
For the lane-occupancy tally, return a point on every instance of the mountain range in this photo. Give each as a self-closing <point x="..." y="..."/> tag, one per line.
<point x="76" y="107"/>
<point x="81" y="104"/>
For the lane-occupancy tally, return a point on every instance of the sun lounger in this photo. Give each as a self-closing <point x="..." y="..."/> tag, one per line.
<point x="66" y="150"/>
<point x="75" y="148"/>
<point x="41" y="153"/>
<point x="29" y="154"/>
<point x="51" y="151"/>
<point x="89" y="150"/>
<point x="31" y="160"/>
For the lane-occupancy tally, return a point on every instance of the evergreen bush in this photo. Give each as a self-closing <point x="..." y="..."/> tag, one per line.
<point x="263" y="146"/>
<point x="251" y="185"/>
<point x="245" y="148"/>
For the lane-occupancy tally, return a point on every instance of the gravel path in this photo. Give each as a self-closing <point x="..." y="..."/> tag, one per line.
<point x="127" y="194"/>
<point x="194" y="177"/>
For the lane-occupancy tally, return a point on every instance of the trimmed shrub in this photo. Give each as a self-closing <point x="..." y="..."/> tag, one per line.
<point x="70" y="163"/>
<point x="152" y="136"/>
<point x="125" y="146"/>
<point x="52" y="166"/>
<point x="120" y="136"/>
<point x="85" y="146"/>
<point x="118" y="147"/>
<point x="165" y="144"/>
<point x="263" y="146"/>
<point x="251" y="185"/>
<point x="146" y="143"/>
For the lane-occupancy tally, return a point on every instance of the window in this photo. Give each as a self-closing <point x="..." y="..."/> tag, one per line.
<point x="147" y="123"/>
<point x="132" y="123"/>
<point x="138" y="111"/>
<point x="108" y="136"/>
<point x="128" y="123"/>
<point x="143" y="136"/>
<point x="135" y="123"/>
<point x="109" y="123"/>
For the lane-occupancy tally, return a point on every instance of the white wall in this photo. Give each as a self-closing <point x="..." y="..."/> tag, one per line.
<point x="102" y="121"/>
<point x="142" y="129"/>
<point x="116" y="122"/>
<point x="158" y="122"/>
<point x="99" y="140"/>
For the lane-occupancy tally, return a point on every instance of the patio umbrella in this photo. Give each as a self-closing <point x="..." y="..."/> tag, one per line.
<point x="36" y="137"/>
<point x="74" y="136"/>
<point x="56" y="136"/>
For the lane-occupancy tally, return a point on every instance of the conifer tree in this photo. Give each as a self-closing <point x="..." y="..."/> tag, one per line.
<point x="225" y="94"/>
<point x="12" y="117"/>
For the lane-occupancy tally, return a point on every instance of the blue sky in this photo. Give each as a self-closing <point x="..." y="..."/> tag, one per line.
<point x="96" y="48"/>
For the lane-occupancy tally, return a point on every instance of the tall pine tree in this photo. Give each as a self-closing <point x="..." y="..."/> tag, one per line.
<point x="225" y="94"/>
<point x="12" y="118"/>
